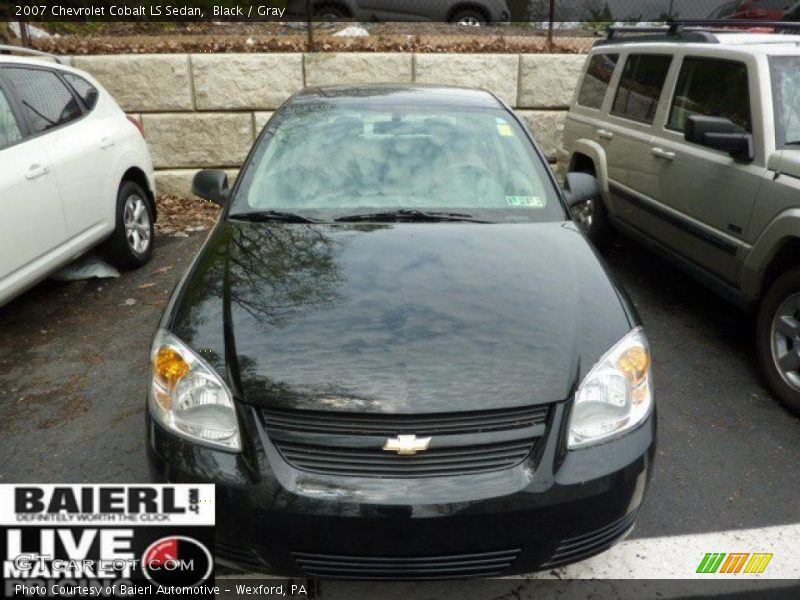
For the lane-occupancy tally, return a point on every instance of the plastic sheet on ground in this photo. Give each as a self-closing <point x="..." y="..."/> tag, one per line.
<point x="89" y="266"/>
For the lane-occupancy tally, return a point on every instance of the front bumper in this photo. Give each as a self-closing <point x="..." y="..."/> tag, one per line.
<point x="277" y="519"/>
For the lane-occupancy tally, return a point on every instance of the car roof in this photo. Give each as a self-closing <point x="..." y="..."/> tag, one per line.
<point x="760" y="39"/>
<point x="49" y="61"/>
<point x="746" y="42"/>
<point x="30" y="60"/>
<point x="399" y="94"/>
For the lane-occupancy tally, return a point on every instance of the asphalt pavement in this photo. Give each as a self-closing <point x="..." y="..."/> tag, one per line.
<point x="73" y="367"/>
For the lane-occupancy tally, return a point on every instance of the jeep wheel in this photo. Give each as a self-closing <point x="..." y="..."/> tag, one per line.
<point x="778" y="339"/>
<point x="591" y="216"/>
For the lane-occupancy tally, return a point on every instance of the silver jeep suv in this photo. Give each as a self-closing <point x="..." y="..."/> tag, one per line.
<point x="694" y="138"/>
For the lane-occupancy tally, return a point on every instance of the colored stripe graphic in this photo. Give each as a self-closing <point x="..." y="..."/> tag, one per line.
<point x="734" y="562"/>
<point x="758" y="563"/>
<point x="711" y="562"/>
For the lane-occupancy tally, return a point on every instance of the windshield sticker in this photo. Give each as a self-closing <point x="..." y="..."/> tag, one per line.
<point x="505" y="130"/>
<point x="526" y="201"/>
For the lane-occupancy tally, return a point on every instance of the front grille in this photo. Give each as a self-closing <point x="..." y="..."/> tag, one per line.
<point x="585" y="546"/>
<point x="387" y="425"/>
<point x="454" y="566"/>
<point x="347" y="444"/>
<point x="368" y="463"/>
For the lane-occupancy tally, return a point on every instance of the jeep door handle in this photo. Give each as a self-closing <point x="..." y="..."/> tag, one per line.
<point x="37" y="170"/>
<point x="605" y="134"/>
<point x="659" y="153"/>
<point x="106" y="142"/>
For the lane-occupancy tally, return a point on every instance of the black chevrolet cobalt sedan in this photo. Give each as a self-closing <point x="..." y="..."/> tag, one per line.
<point x="396" y="356"/>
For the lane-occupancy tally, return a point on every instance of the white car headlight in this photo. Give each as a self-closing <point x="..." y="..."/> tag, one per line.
<point x="616" y="395"/>
<point x="188" y="397"/>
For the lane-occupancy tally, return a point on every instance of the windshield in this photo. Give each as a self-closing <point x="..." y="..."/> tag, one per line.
<point x="786" y="95"/>
<point x="329" y="161"/>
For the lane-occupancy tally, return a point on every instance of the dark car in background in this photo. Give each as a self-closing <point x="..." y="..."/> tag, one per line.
<point x="753" y="10"/>
<point x="464" y="12"/>
<point x="396" y="355"/>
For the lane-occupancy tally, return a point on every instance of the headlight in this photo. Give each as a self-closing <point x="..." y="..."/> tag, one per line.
<point x="616" y="395"/>
<point x="188" y="397"/>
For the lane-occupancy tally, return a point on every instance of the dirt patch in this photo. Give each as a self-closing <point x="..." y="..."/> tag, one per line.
<point x="75" y="45"/>
<point x="179" y="216"/>
<point x="53" y="406"/>
<point x="217" y="28"/>
<point x="159" y="38"/>
<point x="137" y="410"/>
<point x="66" y="412"/>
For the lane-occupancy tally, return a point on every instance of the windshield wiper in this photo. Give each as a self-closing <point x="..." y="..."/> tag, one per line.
<point x="409" y="215"/>
<point x="266" y="216"/>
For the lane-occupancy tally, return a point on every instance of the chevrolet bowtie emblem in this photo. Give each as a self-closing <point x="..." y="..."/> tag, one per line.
<point x="407" y="445"/>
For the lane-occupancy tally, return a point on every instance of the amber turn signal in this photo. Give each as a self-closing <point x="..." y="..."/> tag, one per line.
<point x="170" y="367"/>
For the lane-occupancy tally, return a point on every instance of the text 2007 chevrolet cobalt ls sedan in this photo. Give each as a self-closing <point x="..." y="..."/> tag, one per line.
<point x="396" y="355"/>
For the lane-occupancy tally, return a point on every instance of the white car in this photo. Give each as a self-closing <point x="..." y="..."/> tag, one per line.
<point x="75" y="172"/>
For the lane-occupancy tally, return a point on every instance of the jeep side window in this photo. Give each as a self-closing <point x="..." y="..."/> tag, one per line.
<point x="640" y="87"/>
<point x="598" y="77"/>
<point x="711" y="88"/>
<point x="785" y="72"/>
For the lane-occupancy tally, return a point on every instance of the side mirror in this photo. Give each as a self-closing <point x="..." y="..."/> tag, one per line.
<point x="581" y="187"/>
<point x="720" y="134"/>
<point x="212" y="185"/>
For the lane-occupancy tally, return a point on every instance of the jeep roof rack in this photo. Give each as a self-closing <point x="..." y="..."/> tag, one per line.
<point x="702" y="32"/>
<point x="7" y="49"/>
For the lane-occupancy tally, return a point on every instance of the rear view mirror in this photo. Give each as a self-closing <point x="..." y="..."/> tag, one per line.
<point x="720" y="134"/>
<point x="581" y="187"/>
<point x="212" y="185"/>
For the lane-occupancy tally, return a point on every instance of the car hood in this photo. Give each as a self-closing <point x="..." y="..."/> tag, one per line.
<point x="400" y="318"/>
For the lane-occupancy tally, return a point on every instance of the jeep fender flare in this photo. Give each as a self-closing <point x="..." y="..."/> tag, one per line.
<point x="597" y="153"/>
<point x="782" y="228"/>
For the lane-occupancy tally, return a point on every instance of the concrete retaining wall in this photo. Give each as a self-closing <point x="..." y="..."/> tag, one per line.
<point x="205" y="110"/>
